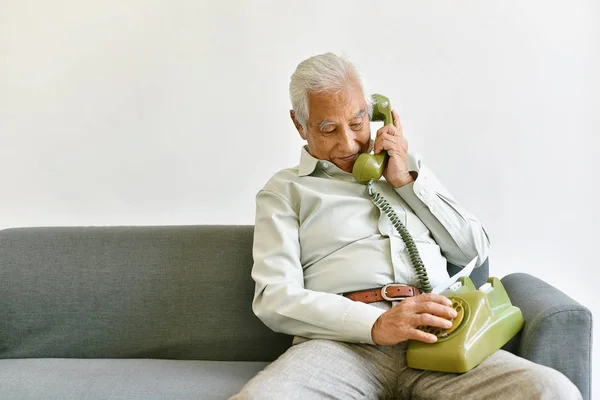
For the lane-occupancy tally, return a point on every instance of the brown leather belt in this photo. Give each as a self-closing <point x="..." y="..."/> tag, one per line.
<point x="391" y="292"/>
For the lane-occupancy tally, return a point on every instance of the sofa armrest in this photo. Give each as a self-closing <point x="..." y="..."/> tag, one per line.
<point x="557" y="331"/>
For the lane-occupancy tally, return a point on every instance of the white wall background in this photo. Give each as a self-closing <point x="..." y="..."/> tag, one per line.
<point x="147" y="113"/>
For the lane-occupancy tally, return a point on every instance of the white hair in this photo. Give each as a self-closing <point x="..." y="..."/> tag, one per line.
<point x="323" y="73"/>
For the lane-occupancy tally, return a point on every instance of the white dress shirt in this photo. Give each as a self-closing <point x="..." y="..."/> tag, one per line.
<point x="317" y="234"/>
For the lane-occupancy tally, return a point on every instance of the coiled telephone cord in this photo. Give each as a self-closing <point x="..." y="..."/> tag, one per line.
<point x="413" y="252"/>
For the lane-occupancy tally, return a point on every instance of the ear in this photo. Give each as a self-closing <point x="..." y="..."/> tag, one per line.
<point x="297" y="125"/>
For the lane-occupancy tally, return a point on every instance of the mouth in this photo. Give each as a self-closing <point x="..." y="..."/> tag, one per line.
<point x="349" y="158"/>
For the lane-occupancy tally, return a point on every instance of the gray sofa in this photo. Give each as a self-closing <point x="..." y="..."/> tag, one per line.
<point x="165" y="313"/>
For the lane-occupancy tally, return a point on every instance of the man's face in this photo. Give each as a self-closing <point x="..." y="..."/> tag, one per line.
<point x="338" y="128"/>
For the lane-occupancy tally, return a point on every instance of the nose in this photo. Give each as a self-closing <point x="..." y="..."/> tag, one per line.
<point x="347" y="140"/>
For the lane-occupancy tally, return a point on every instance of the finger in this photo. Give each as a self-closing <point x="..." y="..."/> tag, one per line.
<point x="436" y="298"/>
<point x="435" y="309"/>
<point x="377" y="145"/>
<point x="387" y="142"/>
<point x="392" y="143"/>
<point x="384" y="141"/>
<point x="416" y="334"/>
<point x="391" y="131"/>
<point x="386" y="130"/>
<point x="396" y="118"/>
<point x="430" y="320"/>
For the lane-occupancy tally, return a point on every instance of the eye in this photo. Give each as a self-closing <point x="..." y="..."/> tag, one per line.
<point x="356" y="126"/>
<point x="330" y="131"/>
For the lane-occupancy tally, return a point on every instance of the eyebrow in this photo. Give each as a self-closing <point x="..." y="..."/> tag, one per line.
<point x="326" y="123"/>
<point x="360" y="113"/>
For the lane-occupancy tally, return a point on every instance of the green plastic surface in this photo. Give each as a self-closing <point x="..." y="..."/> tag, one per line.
<point x="367" y="166"/>
<point x="490" y="320"/>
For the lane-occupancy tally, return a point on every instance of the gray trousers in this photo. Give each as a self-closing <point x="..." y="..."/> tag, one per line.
<point x="326" y="369"/>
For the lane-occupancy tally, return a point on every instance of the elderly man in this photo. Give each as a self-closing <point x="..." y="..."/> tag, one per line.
<point x="320" y="245"/>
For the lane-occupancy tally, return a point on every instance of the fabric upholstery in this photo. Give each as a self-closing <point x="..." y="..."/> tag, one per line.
<point x="557" y="331"/>
<point x="180" y="292"/>
<point x="130" y="379"/>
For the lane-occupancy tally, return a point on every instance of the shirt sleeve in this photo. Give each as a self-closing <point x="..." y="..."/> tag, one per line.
<point x="280" y="299"/>
<point x="459" y="234"/>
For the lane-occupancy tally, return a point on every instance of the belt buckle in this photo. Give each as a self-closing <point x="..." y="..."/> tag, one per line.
<point x="388" y="298"/>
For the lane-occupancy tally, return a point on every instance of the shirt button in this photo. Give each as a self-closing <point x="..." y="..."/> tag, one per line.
<point x="325" y="165"/>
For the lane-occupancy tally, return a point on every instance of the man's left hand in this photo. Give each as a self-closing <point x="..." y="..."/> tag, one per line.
<point x="391" y="139"/>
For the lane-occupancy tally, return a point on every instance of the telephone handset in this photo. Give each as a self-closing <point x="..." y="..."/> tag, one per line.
<point x="369" y="167"/>
<point x="485" y="319"/>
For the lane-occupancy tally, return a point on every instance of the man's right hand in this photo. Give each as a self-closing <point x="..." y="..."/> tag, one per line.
<point x="400" y="322"/>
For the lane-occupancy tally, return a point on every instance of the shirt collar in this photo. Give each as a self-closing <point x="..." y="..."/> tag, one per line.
<point x="307" y="163"/>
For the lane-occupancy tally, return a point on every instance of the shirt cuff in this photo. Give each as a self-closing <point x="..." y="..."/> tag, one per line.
<point x="417" y="194"/>
<point x="359" y="321"/>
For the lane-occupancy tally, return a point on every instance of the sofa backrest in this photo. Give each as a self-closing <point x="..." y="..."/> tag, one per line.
<point x="175" y="292"/>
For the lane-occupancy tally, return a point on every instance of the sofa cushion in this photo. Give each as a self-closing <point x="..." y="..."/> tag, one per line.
<point x="65" y="379"/>
<point x="172" y="292"/>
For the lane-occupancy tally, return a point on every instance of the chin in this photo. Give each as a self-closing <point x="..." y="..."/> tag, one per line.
<point x="347" y="167"/>
<point x="347" y="163"/>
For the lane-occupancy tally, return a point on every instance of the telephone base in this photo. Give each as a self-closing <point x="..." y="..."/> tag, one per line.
<point x="489" y="320"/>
